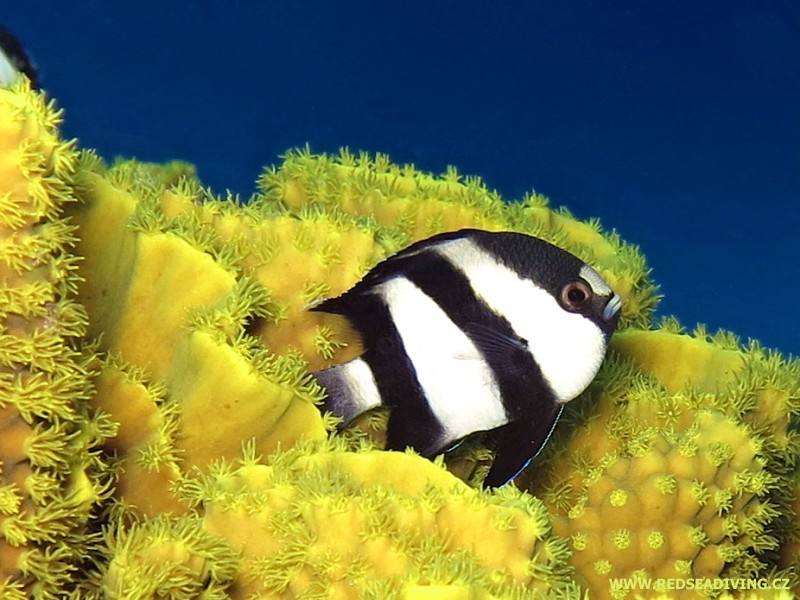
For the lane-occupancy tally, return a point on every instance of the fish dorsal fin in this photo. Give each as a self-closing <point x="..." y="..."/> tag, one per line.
<point x="397" y="265"/>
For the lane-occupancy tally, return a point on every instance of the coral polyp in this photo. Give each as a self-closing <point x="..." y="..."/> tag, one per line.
<point x="51" y="475"/>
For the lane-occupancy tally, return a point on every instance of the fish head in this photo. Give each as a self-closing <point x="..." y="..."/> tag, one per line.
<point x="588" y="294"/>
<point x="561" y="306"/>
<point x="572" y="336"/>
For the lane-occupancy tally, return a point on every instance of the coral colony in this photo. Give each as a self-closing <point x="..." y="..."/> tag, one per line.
<point x="160" y="434"/>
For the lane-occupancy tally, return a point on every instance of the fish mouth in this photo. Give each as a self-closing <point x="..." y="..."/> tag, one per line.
<point x="612" y="308"/>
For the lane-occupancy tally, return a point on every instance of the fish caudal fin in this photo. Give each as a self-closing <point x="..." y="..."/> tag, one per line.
<point x="350" y="389"/>
<point x="518" y="443"/>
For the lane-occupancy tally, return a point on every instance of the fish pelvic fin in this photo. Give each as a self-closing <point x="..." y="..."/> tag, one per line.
<point x="350" y="389"/>
<point x="518" y="444"/>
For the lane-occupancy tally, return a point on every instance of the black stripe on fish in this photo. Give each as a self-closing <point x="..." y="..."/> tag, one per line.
<point x="531" y="408"/>
<point x="516" y="372"/>
<point x="411" y="421"/>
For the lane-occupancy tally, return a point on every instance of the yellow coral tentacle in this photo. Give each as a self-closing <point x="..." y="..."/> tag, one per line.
<point x="51" y="477"/>
<point x="677" y="458"/>
<point x="340" y="521"/>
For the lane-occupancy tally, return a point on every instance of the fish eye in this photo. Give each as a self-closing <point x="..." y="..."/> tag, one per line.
<point x="575" y="295"/>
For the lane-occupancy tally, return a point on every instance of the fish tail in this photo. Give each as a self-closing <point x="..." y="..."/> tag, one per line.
<point x="350" y="389"/>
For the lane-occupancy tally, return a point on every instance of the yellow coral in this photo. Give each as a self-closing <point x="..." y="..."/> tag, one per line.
<point x="168" y="558"/>
<point x="209" y="297"/>
<point x="50" y="475"/>
<point x="676" y="505"/>
<point x="317" y="212"/>
<point x="146" y="459"/>
<point x="221" y="361"/>
<point x="368" y="524"/>
<point x="680" y="461"/>
<point x="758" y="386"/>
<point x="670" y="473"/>
<point x="789" y="558"/>
<point x="193" y="345"/>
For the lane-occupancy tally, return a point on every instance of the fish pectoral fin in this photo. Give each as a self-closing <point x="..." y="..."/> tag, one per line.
<point x="468" y="355"/>
<point x="518" y="443"/>
<point x="496" y="346"/>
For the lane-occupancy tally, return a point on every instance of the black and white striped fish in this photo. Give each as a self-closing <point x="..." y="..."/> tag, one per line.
<point x="473" y="331"/>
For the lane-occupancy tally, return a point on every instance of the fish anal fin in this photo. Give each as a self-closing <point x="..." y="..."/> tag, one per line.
<point x="518" y="443"/>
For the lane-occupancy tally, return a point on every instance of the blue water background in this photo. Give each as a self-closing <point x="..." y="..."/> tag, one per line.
<point x="676" y="123"/>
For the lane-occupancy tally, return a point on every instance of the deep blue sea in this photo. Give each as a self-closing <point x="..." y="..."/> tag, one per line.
<point x="677" y="123"/>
